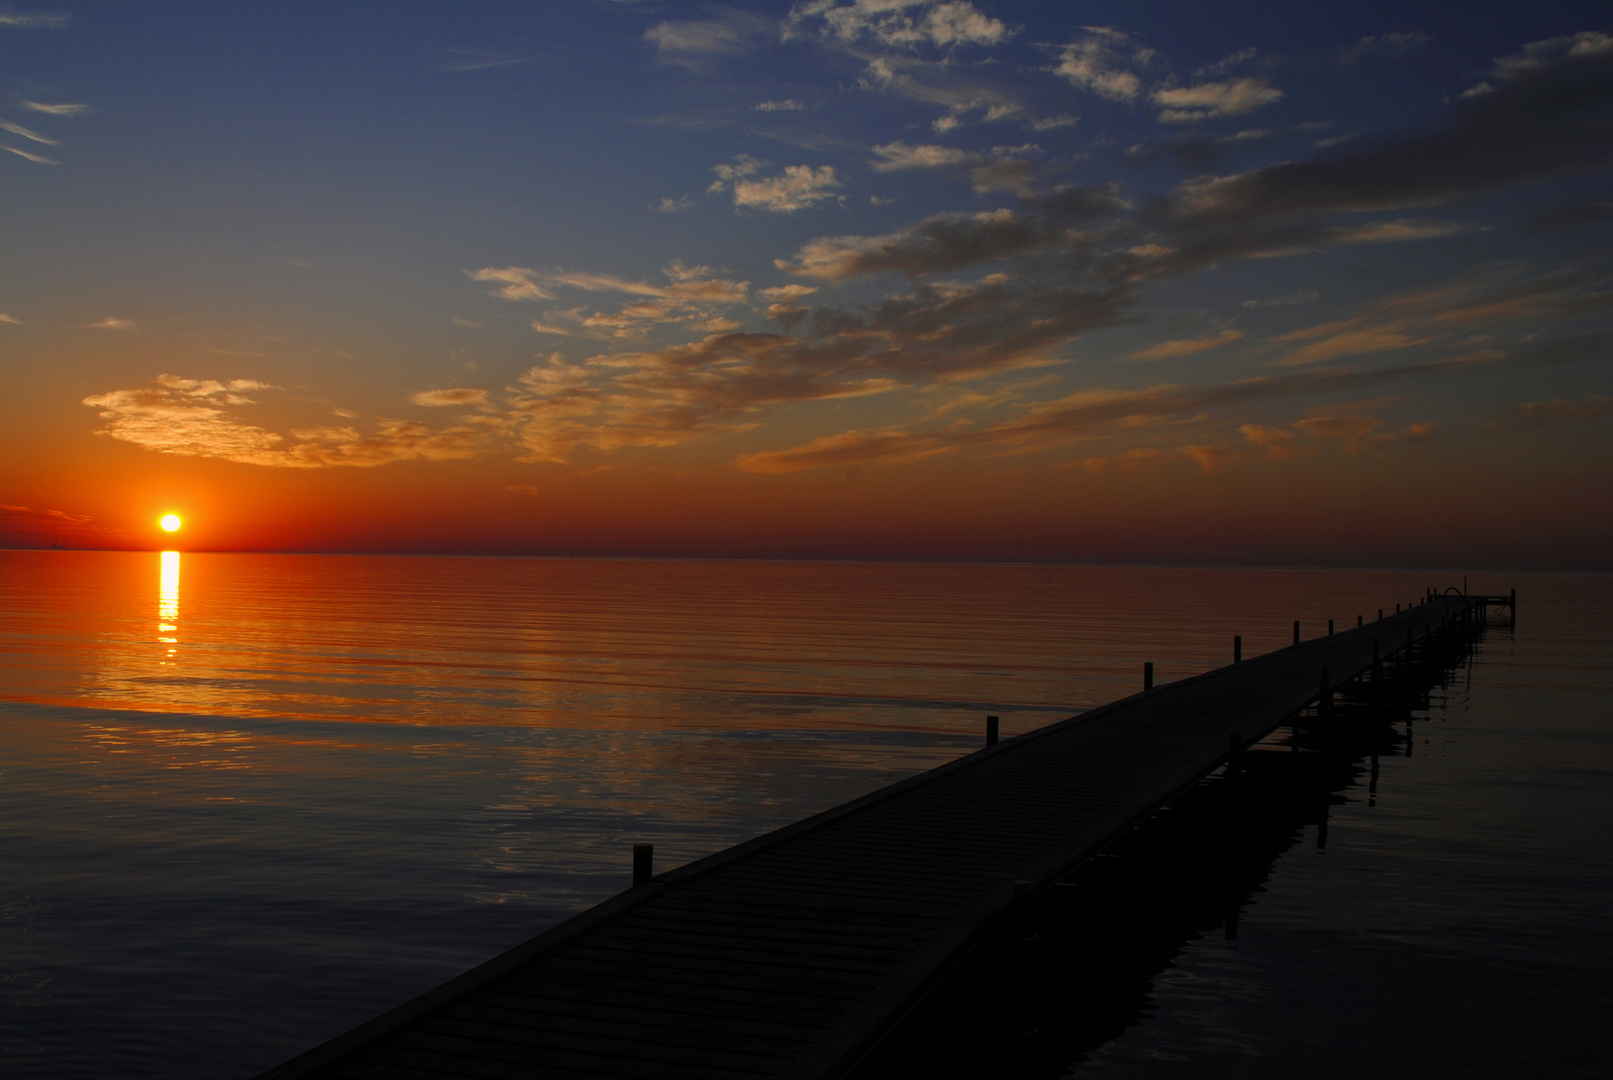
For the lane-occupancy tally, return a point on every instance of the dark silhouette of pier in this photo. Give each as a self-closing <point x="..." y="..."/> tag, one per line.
<point x="799" y="953"/>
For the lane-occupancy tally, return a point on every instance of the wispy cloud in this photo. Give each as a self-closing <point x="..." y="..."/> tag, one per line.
<point x="1390" y="46"/>
<point x="1166" y="350"/>
<point x="461" y="59"/>
<point x="455" y="397"/>
<point x="55" y="108"/>
<point x="669" y="205"/>
<point x="1532" y="415"/>
<point x="784" y="105"/>
<point x="36" y="21"/>
<point x="12" y="319"/>
<point x="112" y="323"/>
<point x="35" y="158"/>
<point x="18" y="129"/>
<point x="693" y="44"/>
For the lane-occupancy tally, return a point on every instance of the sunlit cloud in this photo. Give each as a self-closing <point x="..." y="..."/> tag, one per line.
<point x="1105" y="61"/>
<point x="112" y="323"/>
<point x="12" y="319"/>
<point x="1166" y="350"/>
<point x="195" y="418"/>
<point x="796" y="188"/>
<point x="455" y="396"/>
<point x="695" y="43"/>
<point x="899" y="23"/>
<point x="37" y="159"/>
<point x="784" y="105"/>
<point x="34" y="21"/>
<point x="18" y="129"/>
<point x="1211" y="100"/>
<point x="63" y="108"/>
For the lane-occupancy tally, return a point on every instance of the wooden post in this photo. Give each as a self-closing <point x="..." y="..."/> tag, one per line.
<point x="1148" y="675"/>
<point x="1296" y="631"/>
<point x="1324" y="699"/>
<point x="1237" y="648"/>
<point x="1380" y="614"/>
<point x="1330" y="628"/>
<point x="643" y="862"/>
<point x="991" y="731"/>
<point x="1358" y="622"/>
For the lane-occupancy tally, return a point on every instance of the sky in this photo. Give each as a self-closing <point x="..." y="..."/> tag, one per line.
<point x="1249" y="283"/>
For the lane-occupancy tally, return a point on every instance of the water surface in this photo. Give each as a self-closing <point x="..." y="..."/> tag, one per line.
<point x="248" y="801"/>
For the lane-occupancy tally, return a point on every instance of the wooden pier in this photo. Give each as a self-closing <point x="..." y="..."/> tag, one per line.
<point x="794" y="954"/>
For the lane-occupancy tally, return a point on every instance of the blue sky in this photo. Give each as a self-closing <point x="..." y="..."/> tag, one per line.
<point x="1067" y="250"/>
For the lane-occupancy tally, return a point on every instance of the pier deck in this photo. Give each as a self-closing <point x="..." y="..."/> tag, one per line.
<point x="792" y="954"/>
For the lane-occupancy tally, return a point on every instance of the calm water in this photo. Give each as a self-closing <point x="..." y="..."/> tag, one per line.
<point x="248" y="801"/>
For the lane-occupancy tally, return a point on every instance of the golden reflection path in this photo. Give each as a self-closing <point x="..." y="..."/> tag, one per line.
<point x="168" y="600"/>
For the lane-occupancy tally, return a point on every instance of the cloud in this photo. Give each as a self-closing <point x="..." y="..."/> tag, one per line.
<point x="39" y="21"/>
<point x="12" y="319"/>
<point x="943" y="24"/>
<point x="785" y="105"/>
<point x="694" y="43"/>
<point x="796" y="188"/>
<point x="55" y="108"/>
<point x="37" y="159"/>
<point x="1091" y="413"/>
<point x="111" y="323"/>
<point x="1532" y="415"/>
<point x="1165" y="350"/>
<point x="23" y="526"/>
<point x="193" y="418"/>
<point x="692" y="295"/>
<point x="940" y="84"/>
<point x="454" y="397"/>
<point x="1003" y="168"/>
<point x="1052" y="123"/>
<point x="1543" y="124"/>
<point x="518" y="283"/>
<point x="899" y="155"/>
<point x="947" y="242"/>
<point x="845" y="448"/>
<point x="669" y="205"/>
<point x="18" y="129"/>
<point x="1450" y="312"/>
<point x="1300" y="296"/>
<point x="1390" y="46"/>
<point x="1352" y="432"/>
<point x="789" y="292"/>
<point x="1211" y="100"/>
<point x="1570" y="218"/>
<point x="458" y="59"/>
<point x="1104" y="62"/>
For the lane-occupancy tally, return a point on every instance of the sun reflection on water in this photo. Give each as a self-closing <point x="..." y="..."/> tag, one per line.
<point x="168" y="599"/>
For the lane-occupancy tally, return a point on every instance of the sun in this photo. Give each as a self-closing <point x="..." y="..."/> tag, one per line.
<point x="170" y="523"/>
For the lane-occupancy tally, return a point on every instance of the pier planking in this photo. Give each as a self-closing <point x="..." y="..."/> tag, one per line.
<point x="791" y="955"/>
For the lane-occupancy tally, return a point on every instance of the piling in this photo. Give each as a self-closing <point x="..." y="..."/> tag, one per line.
<point x="991" y="731"/>
<point x="643" y="863"/>
<point x="1237" y="648"/>
<point x="1148" y="675"/>
<point x="1296" y="631"/>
